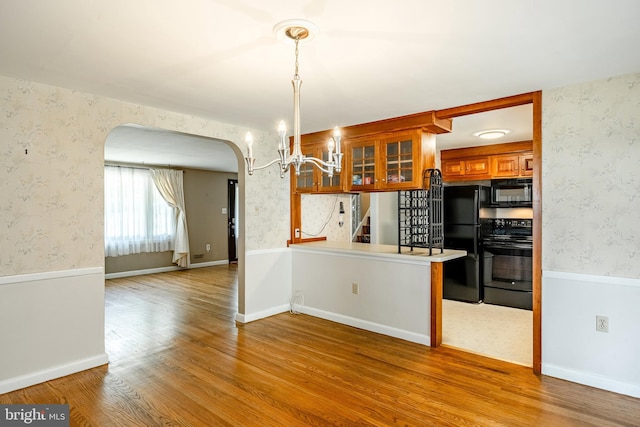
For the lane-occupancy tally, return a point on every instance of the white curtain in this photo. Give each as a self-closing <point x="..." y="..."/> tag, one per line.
<point x="137" y="219"/>
<point x="169" y="183"/>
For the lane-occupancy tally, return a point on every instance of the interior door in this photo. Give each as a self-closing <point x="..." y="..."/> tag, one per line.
<point x="232" y="219"/>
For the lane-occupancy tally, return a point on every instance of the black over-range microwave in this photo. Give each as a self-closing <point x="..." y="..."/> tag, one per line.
<point x="516" y="192"/>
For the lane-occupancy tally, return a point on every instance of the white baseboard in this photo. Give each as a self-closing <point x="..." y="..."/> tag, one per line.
<point x="54" y="372"/>
<point x="208" y="263"/>
<point x="163" y="269"/>
<point x="338" y="318"/>
<point x="366" y="325"/>
<point x="591" y="380"/>
<point x="141" y="272"/>
<point x="246" y="318"/>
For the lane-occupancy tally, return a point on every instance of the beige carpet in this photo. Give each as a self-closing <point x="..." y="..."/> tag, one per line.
<point x="491" y="330"/>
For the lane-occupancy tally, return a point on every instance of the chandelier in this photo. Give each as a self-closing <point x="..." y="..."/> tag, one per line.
<point x="297" y="30"/>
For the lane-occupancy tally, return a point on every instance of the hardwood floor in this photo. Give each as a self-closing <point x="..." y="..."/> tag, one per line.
<point x="178" y="358"/>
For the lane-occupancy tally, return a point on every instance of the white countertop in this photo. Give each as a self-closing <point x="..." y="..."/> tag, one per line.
<point x="386" y="251"/>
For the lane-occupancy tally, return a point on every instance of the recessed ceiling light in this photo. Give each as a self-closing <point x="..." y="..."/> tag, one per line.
<point x="491" y="134"/>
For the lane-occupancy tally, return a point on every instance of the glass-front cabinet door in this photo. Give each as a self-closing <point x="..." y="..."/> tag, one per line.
<point x="333" y="183"/>
<point x="362" y="159"/>
<point x="306" y="181"/>
<point x="401" y="160"/>
<point x="313" y="180"/>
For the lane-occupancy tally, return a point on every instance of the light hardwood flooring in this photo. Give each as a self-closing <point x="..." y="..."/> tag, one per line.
<point x="178" y="358"/>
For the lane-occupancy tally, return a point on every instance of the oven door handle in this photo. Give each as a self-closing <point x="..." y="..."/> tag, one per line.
<point x="519" y="246"/>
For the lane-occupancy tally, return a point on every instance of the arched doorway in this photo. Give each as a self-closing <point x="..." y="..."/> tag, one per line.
<point x="143" y="146"/>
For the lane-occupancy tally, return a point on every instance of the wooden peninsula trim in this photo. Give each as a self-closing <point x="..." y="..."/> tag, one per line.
<point x="437" y="281"/>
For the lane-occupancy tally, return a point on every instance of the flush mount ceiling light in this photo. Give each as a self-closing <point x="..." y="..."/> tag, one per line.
<point x="297" y="30"/>
<point x="491" y="133"/>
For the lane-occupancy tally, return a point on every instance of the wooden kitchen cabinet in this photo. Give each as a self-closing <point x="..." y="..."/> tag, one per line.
<point x="510" y="160"/>
<point x="389" y="161"/>
<point x="512" y="165"/>
<point x="477" y="168"/>
<point x="526" y="164"/>
<point x="374" y="154"/>
<point x="468" y="169"/>
<point x="452" y="168"/>
<point x="361" y="163"/>
<point x="399" y="153"/>
<point x="313" y="180"/>
<point x="505" y="166"/>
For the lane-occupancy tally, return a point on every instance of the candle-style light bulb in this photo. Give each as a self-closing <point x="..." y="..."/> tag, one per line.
<point x="337" y="136"/>
<point x="331" y="146"/>
<point x="249" y="140"/>
<point x="282" y="131"/>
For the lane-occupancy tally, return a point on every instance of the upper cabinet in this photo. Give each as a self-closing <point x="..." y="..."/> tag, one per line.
<point x="362" y="161"/>
<point x="526" y="164"/>
<point x="313" y="180"/>
<point x="378" y="156"/>
<point x="467" y="168"/>
<point x="389" y="161"/>
<point x="510" y="160"/>
<point x="512" y="165"/>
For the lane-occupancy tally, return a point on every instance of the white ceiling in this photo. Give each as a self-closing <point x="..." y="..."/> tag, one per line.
<point x="157" y="147"/>
<point x="372" y="60"/>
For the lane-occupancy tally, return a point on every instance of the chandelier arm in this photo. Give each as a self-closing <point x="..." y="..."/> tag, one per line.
<point x="297" y="32"/>
<point x="274" y="161"/>
<point x="319" y="163"/>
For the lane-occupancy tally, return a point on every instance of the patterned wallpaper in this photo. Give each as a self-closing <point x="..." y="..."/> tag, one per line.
<point x="52" y="153"/>
<point x="51" y="175"/>
<point x="591" y="178"/>
<point x="320" y="213"/>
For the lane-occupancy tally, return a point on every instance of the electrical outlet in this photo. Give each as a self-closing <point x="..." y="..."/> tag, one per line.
<point x="355" y="289"/>
<point x="602" y="324"/>
<point x="208" y="247"/>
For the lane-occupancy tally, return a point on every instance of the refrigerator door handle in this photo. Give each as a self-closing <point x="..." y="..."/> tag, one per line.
<point x="476" y="204"/>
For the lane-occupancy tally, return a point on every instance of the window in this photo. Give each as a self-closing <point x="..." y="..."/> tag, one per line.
<point x="137" y="219"/>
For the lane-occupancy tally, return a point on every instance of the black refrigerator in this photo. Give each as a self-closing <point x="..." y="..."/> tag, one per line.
<point x="462" y="276"/>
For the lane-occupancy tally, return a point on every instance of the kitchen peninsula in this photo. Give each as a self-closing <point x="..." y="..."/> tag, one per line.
<point x="372" y="287"/>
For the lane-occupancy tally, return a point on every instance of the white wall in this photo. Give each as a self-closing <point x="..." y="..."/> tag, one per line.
<point x="573" y="349"/>
<point x="591" y="232"/>
<point x="384" y="218"/>
<point x="393" y="298"/>
<point x="267" y="284"/>
<point x="52" y="324"/>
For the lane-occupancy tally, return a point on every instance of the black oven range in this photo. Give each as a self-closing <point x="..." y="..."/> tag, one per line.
<point x="507" y="255"/>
